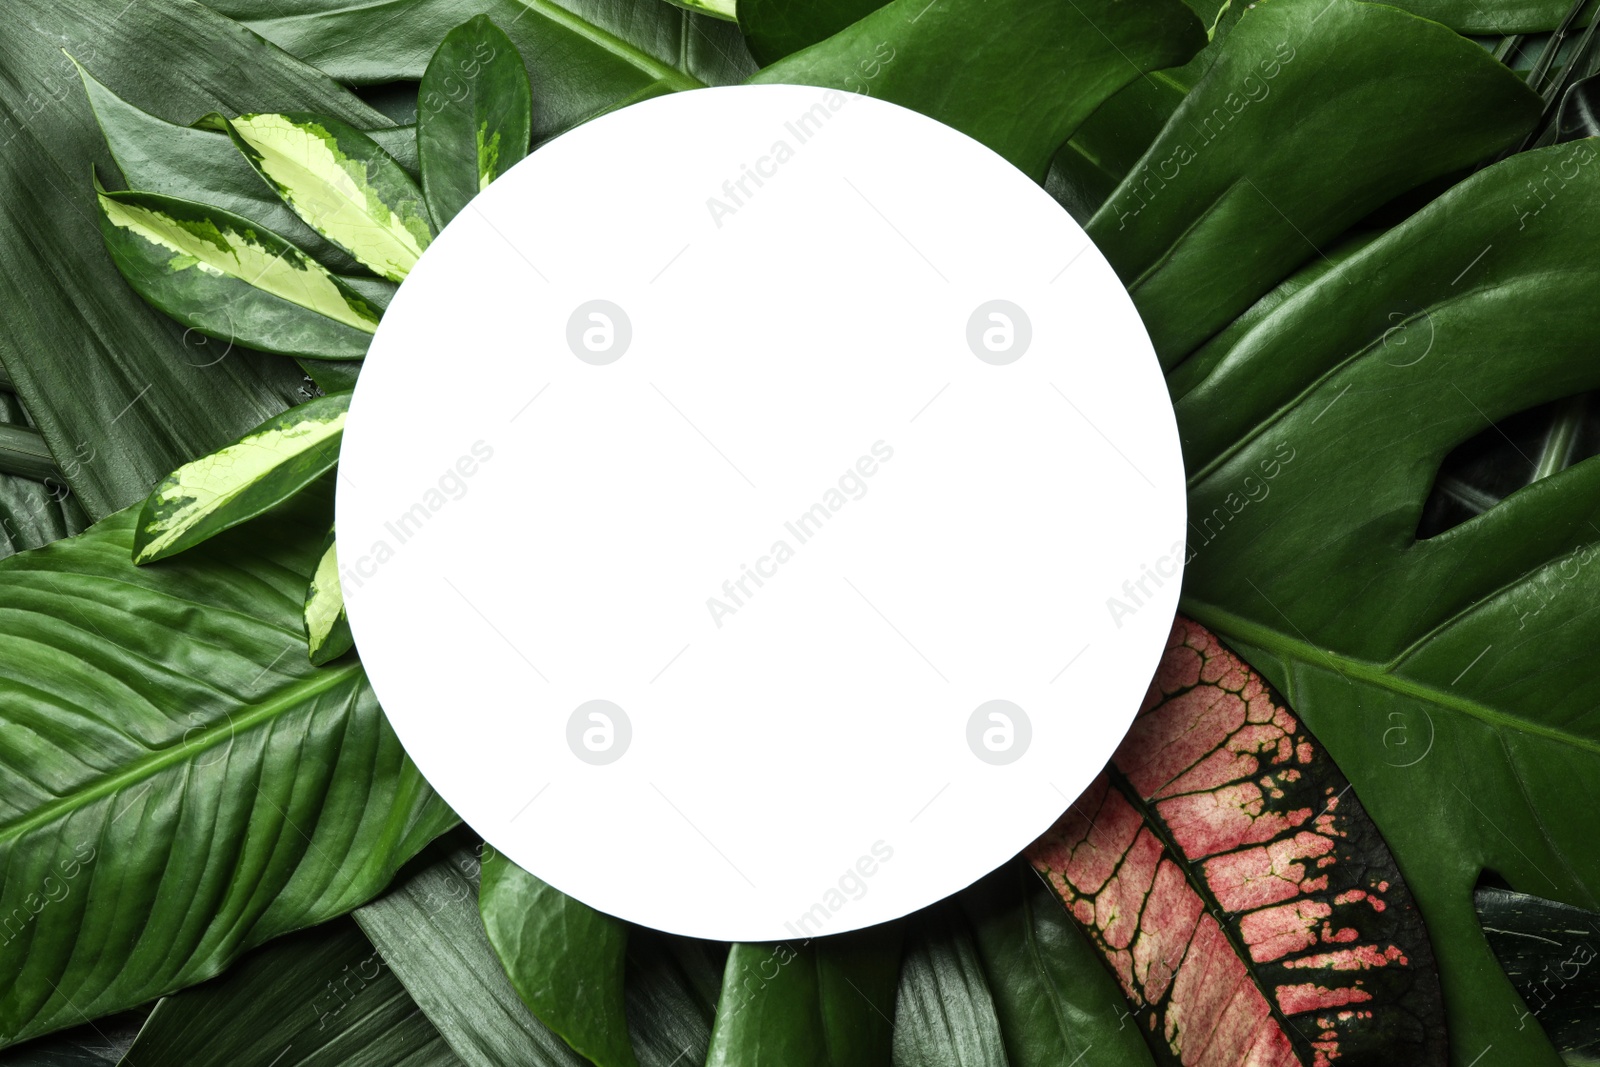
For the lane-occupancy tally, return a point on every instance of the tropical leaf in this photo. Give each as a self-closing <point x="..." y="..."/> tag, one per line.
<point x="718" y="9"/>
<point x="318" y="998"/>
<point x="1472" y="647"/>
<point x="673" y="984"/>
<point x="777" y="28"/>
<point x="1053" y="998"/>
<point x="137" y="397"/>
<point x="944" y="1012"/>
<point x="221" y="275"/>
<point x="178" y="787"/>
<point x="583" y="56"/>
<point x="200" y="165"/>
<point x="327" y="625"/>
<point x="1548" y="951"/>
<point x="565" y="960"/>
<point x="1260" y="166"/>
<point x="262" y="469"/>
<point x="428" y="929"/>
<point x="1018" y="76"/>
<point x="1244" y="900"/>
<point x="475" y="115"/>
<point x="341" y="184"/>
<point x="826" y="1002"/>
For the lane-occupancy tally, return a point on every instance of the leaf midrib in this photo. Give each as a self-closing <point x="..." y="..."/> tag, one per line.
<point x="1380" y="676"/>
<point x="160" y="760"/>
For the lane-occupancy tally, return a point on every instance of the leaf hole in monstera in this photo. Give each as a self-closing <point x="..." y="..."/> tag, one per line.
<point x="1512" y="454"/>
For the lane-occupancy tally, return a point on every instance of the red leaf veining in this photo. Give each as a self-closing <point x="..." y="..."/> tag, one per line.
<point x="1246" y="903"/>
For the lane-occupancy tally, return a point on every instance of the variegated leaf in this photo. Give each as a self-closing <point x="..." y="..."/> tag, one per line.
<point x="327" y="625"/>
<point x="241" y="480"/>
<point x="341" y="183"/>
<point x="1237" y="889"/>
<point x="474" y="115"/>
<point x="230" y="279"/>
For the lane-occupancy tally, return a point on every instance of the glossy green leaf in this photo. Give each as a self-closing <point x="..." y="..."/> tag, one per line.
<point x="564" y="959"/>
<point x="201" y="165"/>
<point x="475" y="115"/>
<point x="583" y="56"/>
<point x="138" y="395"/>
<point x="1053" y="997"/>
<point x="428" y="929"/>
<point x="327" y="625"/>
<point x="231" y="280"/>
<point x="717" y="9"/>
<point x="341" y="184"/>
<point x="318" y="998"/>
<point x="1508" y="16"/>
<point x="1016" y="75"/>
<point x="777" y="28"/>
<point x="826" y="1002"/>
<point x="1450" y="677"/>
<point x="179" y="785"/>
<point x="23" y="452"/>
<point x="236" y="483"/>
<point x="1261" y="166"/>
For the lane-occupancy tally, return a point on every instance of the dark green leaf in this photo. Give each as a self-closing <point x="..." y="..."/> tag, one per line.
<point x="318" y="998"/>
<point x="236" y="483"/>
<point x="826" y="1002"/>
<point x="564" y="959"/>
<point x="1451" y="677"/>
<point x="945" y="1014"/>
<point x="777" y="28"/>
<point x="1055" y="1000"/>
<point x="178" y="784"/>
<point x="583" y="56"/>
<point x="342" y="184"/>
<point x="230" y="280"/>
<point x="1018" y="76"/>
<point x="475" y="116"/>
<point x="672" y="988"/>
<point x="119" y="395"/>
<point x="1549" y="952"/>
<point x="1262" y="165"/>
<point x="429" y="930"/>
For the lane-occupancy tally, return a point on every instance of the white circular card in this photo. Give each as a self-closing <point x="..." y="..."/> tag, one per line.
<point x="761" y="512"/>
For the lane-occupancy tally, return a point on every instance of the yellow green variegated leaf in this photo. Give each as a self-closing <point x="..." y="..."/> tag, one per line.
<point x="327" y="626"/>
<point x="241" y="480"/>
<point x="727" y="10"/>
<point x="474" y="115"/>
<point x="341" y="183"/>
<point x="230" y="279"/>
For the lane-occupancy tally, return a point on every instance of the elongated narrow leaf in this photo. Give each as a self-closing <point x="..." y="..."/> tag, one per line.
<point x="342" y="184"/>
<point x="327" y="625"/>
<point x="777" y="28"/>
<point x="474" y="115"/>
<point x="944" y="1013"/>
<point x="138" y="396"/>
<point x="429" y="930"/>
<point x="1261" y="166"/>
<point x="200" y="165"/>
<point x="584" y="56"/>
<point x="823" y="1003"/>
<point x="33" y="513"/>
<point x="318" y="998"/>
<point x="232" y="280"/>
<point x="672" y="987"/>
<point x="1053" y="997"/>
<point x="1017" y="75"/>
<point x="1450" y="676"/>
<point x="262" y="469"/>
<point x="564" y="959"/>
<point x="178" y="785"/>
<point x="1238" y="891"/>
<point x="1548" y="951"/>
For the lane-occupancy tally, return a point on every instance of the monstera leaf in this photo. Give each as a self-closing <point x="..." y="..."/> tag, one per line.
<point x="1450" y="676"/>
